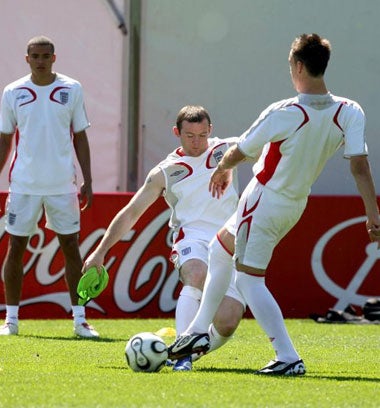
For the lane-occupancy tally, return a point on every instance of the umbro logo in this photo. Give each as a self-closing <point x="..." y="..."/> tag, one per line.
<point x="177" y="173"/>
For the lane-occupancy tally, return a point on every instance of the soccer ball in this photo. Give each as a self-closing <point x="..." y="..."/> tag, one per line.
<point x="146" y="352"/>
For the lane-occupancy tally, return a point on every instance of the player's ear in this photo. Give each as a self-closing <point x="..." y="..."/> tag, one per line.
<point x="176" y="131"/>
<point x="53" y="57"/>
<point x="300" y="66"/>
<point x="27" y="58"/>
<point x="210" y="128"/>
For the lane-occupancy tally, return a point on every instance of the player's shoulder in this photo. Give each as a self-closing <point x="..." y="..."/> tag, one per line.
<point x="348" y="103"/>
<point x="282" y="104"/>
<point x="217" y="141"/>
<point x="173" y="156"/>
<point x="24" y="81"/>
<point x="278" y="109"/>
<point x="279" y="106"/>
<point x="65" y="80"/>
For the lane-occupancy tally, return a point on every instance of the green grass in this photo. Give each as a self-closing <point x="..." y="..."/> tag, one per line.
<point x="45" y="366"/>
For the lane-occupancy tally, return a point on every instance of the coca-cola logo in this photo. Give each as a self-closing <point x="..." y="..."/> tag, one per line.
<point x="144" y="283"/>
<point x="139" y="272"/>
<point x="350" y="293"/>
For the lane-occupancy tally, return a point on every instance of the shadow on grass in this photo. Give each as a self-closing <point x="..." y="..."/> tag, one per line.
<point x="72" y="338"/>
<point x="343" y="378"/>
<point x="290" y="377"/>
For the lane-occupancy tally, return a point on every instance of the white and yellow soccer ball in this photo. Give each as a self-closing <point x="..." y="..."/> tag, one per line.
<point x="146" y="352"/>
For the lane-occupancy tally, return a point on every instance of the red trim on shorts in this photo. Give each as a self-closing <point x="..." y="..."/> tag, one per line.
<point x="172" y="255"/>
<point x="223" y="246"/>
<point x="181" y="235"/>
<point x="249" y="212"/>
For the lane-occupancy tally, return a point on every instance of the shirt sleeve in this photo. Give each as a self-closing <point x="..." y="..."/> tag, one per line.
<point x="272" y="125"/>
<point x="7" y="117"/>
<point x="354" y="132"/>
<point x="80" y="120"/>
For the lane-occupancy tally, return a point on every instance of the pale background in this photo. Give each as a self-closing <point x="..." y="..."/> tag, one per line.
<point x="230" y="56"/>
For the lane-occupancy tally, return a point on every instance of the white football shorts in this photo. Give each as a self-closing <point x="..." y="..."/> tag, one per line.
<point x="23" y="213"/>
<point x="185" y="250"/>
<point x="230" y="224"/>
<point x="264" y="217"/>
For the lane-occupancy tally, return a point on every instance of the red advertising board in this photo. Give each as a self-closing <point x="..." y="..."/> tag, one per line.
<point x="325" y="261"/>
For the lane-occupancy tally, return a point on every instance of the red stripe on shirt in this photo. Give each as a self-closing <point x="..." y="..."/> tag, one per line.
<point x="271" y="161"/>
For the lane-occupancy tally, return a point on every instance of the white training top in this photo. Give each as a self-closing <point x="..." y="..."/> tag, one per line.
<point x="297" y="136"/>
<point x="43" y="119"/>
<point x="195" y="213"/>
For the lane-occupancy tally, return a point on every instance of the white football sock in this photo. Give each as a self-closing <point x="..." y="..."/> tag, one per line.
<point x="216" y="341"/>
<point x="11" y="315"/>
<point x="79" y="314"/>
<point x="220" y="267"/>
<point x="187" y="306"/>
<point x="268" y="315"/>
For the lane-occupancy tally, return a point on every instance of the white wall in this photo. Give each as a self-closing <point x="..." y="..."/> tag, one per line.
<point x="231" y="57"/>
<point x="88" y="47"/>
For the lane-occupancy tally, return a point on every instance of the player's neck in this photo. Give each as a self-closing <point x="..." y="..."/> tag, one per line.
<point x="42" y="80"/>
<point x="313" y="86"/>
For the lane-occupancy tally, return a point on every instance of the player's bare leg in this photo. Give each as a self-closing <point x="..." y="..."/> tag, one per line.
<point x="217" y="282"/>
<point x="73" y="266"/>
<point x="13" y="277"/>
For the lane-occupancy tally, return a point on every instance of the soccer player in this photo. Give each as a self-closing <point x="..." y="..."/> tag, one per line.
<point x="45" y="112"/>
<point x="294" y="138"/>
<point x="182" y="178"/>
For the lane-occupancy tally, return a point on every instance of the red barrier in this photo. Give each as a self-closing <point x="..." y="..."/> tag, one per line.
<point x="325" y="261"/>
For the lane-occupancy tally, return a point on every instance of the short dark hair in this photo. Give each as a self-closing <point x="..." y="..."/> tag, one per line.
<point x="40" y="40"/>
<point x="192" y="113"/>
<point x="314" y="51"/>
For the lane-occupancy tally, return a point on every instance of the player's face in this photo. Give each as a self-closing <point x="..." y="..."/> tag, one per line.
<point x="40" y="60"/>
<point x="194" y="137"/>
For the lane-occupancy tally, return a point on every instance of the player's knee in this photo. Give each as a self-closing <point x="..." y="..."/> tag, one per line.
<point x="193" y="273"/>
<point x="227" y="318"/>
<point x="225" y="328"/>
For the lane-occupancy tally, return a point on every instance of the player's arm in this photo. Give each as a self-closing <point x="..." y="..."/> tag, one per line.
<point x="127" y="217"/>
<point x="82" y="151"/>
<point x="221" y="178"/>
<point x="5" y="148"/>
<point x="361" y="172"/>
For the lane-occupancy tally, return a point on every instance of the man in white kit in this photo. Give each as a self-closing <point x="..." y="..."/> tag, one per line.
<point x="45" y="112"/>
<point x="293" y="138"/>
<point x="182" y="179"/>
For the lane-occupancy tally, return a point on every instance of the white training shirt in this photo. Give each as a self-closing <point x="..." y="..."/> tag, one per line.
<point x="43" y="119"/>
<point x="195" y="213"/>
<point x="297" y="136"/>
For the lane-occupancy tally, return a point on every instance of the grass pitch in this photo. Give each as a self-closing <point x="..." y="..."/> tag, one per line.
<point x="45" y="366"/>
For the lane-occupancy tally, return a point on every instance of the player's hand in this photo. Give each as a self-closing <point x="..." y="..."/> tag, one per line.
<point x="94" y="259"/>
<point x="86" y="196"/>
<point x="219" y="182"/>
<point x="374" y="233"/>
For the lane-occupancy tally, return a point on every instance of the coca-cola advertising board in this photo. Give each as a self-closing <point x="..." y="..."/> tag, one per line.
<point x="325" y="261"/>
